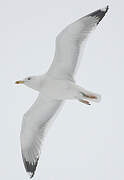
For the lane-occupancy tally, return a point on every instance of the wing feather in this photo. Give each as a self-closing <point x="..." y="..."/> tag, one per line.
<point x="69" y="43"/>
<point x="33" y="128"/>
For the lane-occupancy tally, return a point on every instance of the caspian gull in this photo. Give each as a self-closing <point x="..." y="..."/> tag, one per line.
<point x="55" y="86"/>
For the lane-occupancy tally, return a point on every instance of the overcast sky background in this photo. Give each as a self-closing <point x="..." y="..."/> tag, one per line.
<point x="85" y="142"/>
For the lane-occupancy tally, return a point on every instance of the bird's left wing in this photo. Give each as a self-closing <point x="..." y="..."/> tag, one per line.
<point x="34" y="124"/>
<point x="68" y="44"/>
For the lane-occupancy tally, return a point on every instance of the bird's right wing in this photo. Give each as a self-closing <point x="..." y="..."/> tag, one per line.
<point x="68" y="44"/>
<point x="33" y="127"/>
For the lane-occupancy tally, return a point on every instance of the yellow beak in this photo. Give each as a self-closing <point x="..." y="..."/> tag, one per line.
<point x="19" y="82"/>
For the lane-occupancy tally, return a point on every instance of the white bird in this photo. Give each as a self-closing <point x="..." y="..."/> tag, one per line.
<point x="55" y="86"/>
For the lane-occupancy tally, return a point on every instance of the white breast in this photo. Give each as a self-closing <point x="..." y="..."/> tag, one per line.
<point x="58" y="89"/>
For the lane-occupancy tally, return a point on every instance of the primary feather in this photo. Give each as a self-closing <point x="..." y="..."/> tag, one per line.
<point x="69" y="42"/>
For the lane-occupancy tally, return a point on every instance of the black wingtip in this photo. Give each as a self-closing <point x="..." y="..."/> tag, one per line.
<point x="31" y="176"/>
<point x="100" y="13"/>
<point x="30" y="167"/>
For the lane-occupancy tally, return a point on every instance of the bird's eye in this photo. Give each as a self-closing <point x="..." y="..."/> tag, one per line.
<point x="29" y="78"/>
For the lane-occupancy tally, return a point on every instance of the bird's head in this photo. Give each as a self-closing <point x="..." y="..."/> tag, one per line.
<point x="33" y="82"/>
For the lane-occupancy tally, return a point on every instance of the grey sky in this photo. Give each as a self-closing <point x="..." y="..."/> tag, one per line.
<point x="84" y="142"/>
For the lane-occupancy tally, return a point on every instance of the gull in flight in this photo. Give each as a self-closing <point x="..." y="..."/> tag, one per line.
<point x="55" y="86"/>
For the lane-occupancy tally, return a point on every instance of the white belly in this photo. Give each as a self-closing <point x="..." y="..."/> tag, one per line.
<point x="59" y="89"/>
